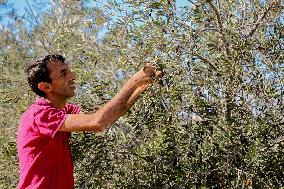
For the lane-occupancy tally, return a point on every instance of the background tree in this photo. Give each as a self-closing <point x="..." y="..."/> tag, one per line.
<point x="213" y="121"/>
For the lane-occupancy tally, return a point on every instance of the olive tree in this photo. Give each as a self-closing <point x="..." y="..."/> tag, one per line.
<point x="213" y="121"/>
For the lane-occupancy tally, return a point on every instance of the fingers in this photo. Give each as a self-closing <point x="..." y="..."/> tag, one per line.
<point x="146" y="81"/>
<point x="143" y="88"/>
<point x="152" y="71"/>
<point x="149" y="69"/>
<point x="159" y="74"/>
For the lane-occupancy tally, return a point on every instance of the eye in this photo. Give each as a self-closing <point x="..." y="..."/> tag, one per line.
<point x="63" y="73"/>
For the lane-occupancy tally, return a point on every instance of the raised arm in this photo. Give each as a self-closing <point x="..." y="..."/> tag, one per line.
<point x="116" y="107"/>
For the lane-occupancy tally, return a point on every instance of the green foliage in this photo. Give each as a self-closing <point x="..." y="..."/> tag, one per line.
<point x="214" y="121"/>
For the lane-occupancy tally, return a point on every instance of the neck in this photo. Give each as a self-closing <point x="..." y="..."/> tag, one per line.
<point x="57" y="101"/>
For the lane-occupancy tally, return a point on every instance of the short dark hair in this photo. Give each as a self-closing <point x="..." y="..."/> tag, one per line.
<point x="38" y="72"/>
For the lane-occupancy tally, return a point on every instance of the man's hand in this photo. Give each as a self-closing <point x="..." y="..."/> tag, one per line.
<point x="152" y="71"/>
<point x="146" y="76"/>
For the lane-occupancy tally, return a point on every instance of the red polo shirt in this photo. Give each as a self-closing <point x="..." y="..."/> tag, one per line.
<point x="44" y="153"/>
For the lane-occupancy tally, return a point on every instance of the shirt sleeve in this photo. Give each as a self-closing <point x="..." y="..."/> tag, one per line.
<point x="72" y="109"/>
<point x="48" y="120"/>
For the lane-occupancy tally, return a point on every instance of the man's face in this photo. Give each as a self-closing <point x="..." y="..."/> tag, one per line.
<point x="62" y="85"/>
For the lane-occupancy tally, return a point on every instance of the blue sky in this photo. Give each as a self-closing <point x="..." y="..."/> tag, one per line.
<point x="21" y="4"/>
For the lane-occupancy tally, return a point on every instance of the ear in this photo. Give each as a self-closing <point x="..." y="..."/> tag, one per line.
<point x="43" y="86"/>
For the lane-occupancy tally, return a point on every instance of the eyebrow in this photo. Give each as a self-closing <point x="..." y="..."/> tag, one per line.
<point x="64" y="70"/>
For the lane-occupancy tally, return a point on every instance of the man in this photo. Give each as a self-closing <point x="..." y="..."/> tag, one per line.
<point x="44" y="128"/>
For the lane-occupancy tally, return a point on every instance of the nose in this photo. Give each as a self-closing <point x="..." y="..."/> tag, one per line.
<point x="72" y="76"/>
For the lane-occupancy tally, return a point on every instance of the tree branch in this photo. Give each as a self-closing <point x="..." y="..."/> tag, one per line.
<point x="205" y="60"/>
<point x="258" y="22"/>
<point x="37" y="23"/>
<point x="217" y="14"/>
<point x="219" y="21"/>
